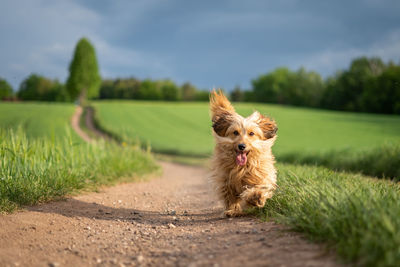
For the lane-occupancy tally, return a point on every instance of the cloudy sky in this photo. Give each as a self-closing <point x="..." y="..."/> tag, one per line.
<point x="209" y="43"/>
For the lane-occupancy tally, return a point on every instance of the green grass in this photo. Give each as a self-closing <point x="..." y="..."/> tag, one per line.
<point x="38" y="170"/>
<point x="186" y="127"/>
<point x="357" y="215"/>
<point x="380" y="161"/>
<point x="172" y="128"/>
<point x="41" y="158"/>
<point x="50" y="120"/>
<point x="340" y="140"/>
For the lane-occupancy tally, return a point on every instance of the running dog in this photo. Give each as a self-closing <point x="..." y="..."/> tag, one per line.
<point x="243" y="165"/>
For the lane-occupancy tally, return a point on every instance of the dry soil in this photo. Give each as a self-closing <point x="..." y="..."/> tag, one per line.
<point x="172" y="220"/>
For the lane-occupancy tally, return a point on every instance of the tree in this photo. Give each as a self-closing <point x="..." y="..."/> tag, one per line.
<point x="283" y="86"/>
<point x="39" y="88"/>
<point x="170" y="91"/>
<point x="345" y="91"/>
<point x="202" y="95"/>
<point x="248" y="96"/>
<point x="126" y="88"/>
<point x="266" y="87"/>
<point x="188" y="92"/>
<point x="107" y="89"/>
<point x="237" y="95"/>
<point x="84" y="79"/>
<point x="5" y="89"/>
<point x="309" y="88"/>
<point x="149" y="90"/>
<point x="382" y="94"/>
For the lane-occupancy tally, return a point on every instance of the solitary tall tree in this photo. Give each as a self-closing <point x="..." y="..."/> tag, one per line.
<point x="84" y="79"/>
<point x="5" y="89"/>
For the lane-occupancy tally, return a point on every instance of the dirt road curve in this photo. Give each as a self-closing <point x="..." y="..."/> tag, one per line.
<point x="172" y="220"/>
<point x="75" y="124"/>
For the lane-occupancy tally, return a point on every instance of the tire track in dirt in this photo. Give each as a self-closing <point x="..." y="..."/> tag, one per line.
<point x="75" y="124"/>
<point x="171" y="220"/>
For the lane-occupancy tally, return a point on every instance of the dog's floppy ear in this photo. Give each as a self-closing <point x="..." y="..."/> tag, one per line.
<point x="221" y="112"/>
<point x="267" y="125"/>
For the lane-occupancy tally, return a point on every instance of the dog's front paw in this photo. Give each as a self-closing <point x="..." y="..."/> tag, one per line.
<point x="257" y="198"/>
<point x="233" y="213"/>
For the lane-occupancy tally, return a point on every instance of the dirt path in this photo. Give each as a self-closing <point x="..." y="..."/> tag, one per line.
<point x="89" y="122"/>
<point x="172" y="220"/>
<point x="75" y="124"/>
<point x="90" y="125"/>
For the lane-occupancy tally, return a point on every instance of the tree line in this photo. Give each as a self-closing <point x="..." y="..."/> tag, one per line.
<point x="39" y="88"/>
<point x="147" y="89"/>
<point x="368" y="85"/>
<point x="84" y="82"/>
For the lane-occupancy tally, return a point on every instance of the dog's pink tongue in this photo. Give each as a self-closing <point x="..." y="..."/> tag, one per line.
<point x="241" y="159"/>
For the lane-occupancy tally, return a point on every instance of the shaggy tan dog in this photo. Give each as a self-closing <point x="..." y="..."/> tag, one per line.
<point x="243" y="165"/>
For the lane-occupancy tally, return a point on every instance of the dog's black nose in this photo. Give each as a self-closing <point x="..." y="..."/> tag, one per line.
<point x="241" y="146"/>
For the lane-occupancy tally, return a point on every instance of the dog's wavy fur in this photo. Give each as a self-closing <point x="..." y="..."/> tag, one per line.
<point x="251" y="183"/>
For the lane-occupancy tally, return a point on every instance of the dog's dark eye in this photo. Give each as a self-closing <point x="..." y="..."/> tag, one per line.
<point x="251" y="133"/>
<point x="236" y="133"/>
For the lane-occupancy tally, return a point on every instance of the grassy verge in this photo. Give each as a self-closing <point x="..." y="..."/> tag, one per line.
<point x="39" y="170"/>
<point x="358" y="215"/>
<point x="108" y="133"/>
<point x="380" y="161"/>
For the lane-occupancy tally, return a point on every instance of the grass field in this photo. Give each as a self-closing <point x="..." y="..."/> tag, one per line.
<point x="344" y="141"/>
<point x="50" y="120"/>
<point x="358" y="216"/>
<point x="174" y="128"/>
<point x="185" y="128"/>
<point x="41" y="158"/>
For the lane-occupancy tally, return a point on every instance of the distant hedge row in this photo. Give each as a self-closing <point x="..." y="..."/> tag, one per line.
<point x="39" y="88"/>
<point x="369" y="85"/>
<point x="148" y="89"/>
